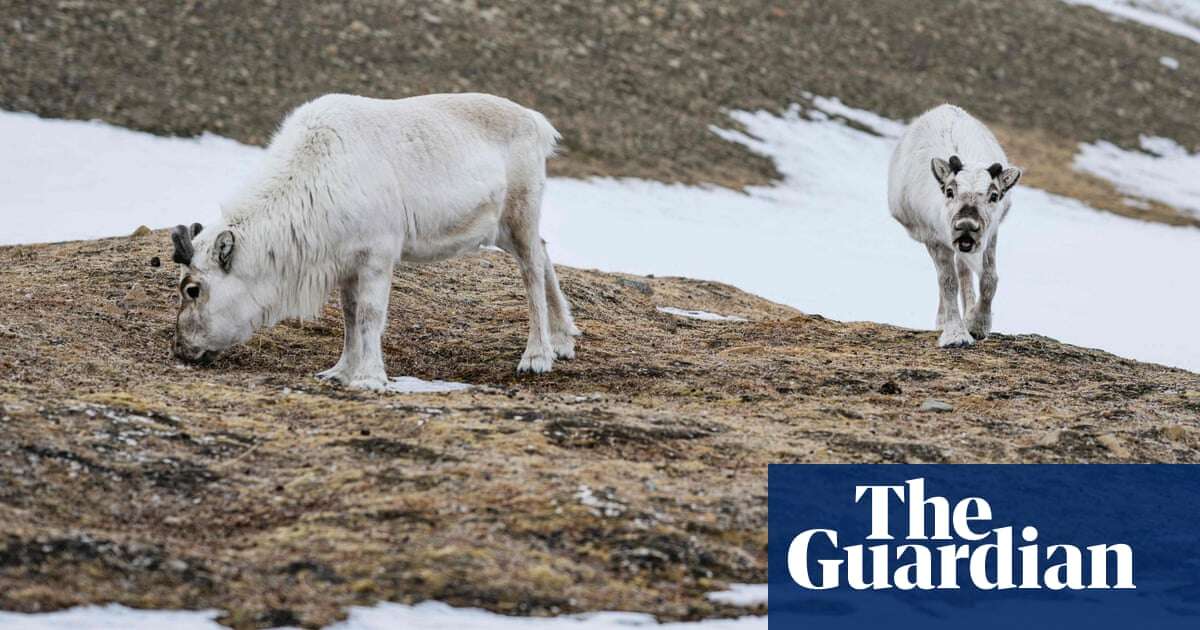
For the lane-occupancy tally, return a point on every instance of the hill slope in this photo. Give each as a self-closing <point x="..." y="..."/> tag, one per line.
<point x="630" y="478"/>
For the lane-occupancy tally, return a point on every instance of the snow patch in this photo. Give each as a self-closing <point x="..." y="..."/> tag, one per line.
<point x="1169" y="62"/>
<point x="605" y="505"/>
<point x="436" y="616"/>
<point x="704" y="315"/>
<point x="68" y="180"/>
<point x="1177" y="17"/>
<point x="111" y="617"/>
<point x="414" y="385"/>
<point x="1162" y="171"/>
<point x="744" y="595"/>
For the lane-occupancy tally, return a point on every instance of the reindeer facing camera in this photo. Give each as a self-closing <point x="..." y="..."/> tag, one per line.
<point x="955" y="211"/>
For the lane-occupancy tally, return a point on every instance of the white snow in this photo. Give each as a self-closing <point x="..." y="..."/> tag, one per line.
<point x="437" y="616"/>
<point x="424" y="616"/>
<point x="703" y="315"/>
<point x="744" y="595"/>
<point x="112" y="617"/>
<point x="1162" y="171"/>
<point x="1169" y="62"/>
<point x="821" y="240"/>
<point x="414" y="385"/>
<point x="600" y="506"/>
<point x="1177" y="17"/>
<point x="67" y="180"/>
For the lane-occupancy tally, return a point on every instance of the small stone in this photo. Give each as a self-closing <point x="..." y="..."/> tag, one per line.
<point x="890" y="388"/>
<point x="156" y="262"/>
<point x="140" y="231"/>
<point x="636" y="285"/>
<point x="1113" y="444"/>
<point x="136" y="295"/>
<point x="1049" y="439"/>
<point x="939" y="406"/>
<point x="1174" y="432"/>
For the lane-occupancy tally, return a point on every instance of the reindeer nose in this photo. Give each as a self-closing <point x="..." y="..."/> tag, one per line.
<point x="966" y="224"/>
<point x="187" y="353"/>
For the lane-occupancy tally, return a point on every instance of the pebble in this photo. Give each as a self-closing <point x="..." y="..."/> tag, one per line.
<point x="1114" y="445"/>
<point x="933" y="404"/>
<point x="637" y="285"/>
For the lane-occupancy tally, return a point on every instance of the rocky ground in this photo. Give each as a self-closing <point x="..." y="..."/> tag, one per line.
<point x="630" y="478"/>
<point x="634" y="85"/>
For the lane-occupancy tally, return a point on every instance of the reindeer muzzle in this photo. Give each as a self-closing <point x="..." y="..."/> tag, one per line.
<point x="967" y="227"/>
<point x="195" y="356"/>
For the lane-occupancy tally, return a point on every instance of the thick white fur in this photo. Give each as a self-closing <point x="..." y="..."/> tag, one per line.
<point x="919" y="202"/>
<point x="349" y="187"/>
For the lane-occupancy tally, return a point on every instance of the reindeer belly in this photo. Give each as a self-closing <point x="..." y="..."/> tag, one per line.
<point x="455" y="235"/>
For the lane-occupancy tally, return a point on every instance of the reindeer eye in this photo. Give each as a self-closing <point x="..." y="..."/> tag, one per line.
<point x="949" y="193"/>
<point x="192" y="291"/>
<point x="993" y="198"/>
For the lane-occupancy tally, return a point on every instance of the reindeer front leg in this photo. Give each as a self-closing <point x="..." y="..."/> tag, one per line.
<point x="979" y="319"/>
<point x="954" y="333"/>
<point x="350" y="341"/>
<point x="374" y="287"/>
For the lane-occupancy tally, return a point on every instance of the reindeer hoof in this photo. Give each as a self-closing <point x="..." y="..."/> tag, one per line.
<point x="536" y="363"/>
<point x="955" y="337"/>
<point x="979" y="327"/>
<point x="332" y="374"/>
<point x="564" y="346"/>
<point x="371" y="383"/>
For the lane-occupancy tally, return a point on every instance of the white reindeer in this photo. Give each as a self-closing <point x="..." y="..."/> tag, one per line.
<point x="955" y="211"/>
<point x="349" y="187"/>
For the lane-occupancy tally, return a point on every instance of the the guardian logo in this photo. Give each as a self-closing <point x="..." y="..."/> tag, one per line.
<point x="973" y="555"/>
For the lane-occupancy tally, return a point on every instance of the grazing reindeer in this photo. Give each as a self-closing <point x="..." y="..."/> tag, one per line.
<point x="349" y="187"/>
<point x="954" y="211"/>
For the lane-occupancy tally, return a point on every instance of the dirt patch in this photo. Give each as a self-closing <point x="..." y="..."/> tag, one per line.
<point x="380" y="447"/>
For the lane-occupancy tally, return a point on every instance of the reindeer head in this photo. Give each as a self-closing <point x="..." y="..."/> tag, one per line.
<point x="216" y="308"/>
<point x="974" y="197"/>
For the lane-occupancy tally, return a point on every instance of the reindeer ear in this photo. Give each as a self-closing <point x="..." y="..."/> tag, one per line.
<point x="196" y="227"/>
<point x="941" y="170"/>
<point x="1009" y="178"/>
<point x="182" y="240"/>
<point x="224" y="249"/>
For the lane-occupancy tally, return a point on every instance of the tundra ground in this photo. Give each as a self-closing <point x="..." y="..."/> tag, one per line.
<point x="630" y="478"/>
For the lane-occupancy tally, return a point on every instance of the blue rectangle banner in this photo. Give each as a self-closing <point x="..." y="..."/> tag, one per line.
<point x="984" y="546"/>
